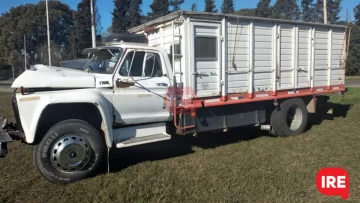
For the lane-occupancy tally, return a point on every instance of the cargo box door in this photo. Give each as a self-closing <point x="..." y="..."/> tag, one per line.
<point x="206" y="57"/>
<point x="304" y="57"/>
<point x="287" y="69"/>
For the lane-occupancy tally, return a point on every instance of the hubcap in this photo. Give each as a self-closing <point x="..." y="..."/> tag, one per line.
<point x="71" y="153"/>
<point x="294" y="118"/>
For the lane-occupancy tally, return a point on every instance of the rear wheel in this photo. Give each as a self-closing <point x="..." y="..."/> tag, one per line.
<point x="290" y="118"/>
<point x="71" y="150"/>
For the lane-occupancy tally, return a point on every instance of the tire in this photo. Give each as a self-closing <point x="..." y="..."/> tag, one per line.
<point x="70" y="151"/>
<point x="290" y="118"/>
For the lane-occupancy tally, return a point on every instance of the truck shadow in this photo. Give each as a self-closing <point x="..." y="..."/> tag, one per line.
<point x="178" y="146"/>
<point x="327" y="111"/>
<point x="184" y="145"/>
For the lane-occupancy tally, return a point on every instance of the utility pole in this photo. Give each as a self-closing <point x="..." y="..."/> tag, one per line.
<point x="25" y="51"/>
<point x="325" y="12"/>
<point x="13" y="70"/>
<point x="74" y="37"/>
<point x="48" y="31"/>
<point x="92" y="24"/>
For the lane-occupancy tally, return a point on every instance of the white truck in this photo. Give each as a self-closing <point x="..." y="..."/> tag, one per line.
<point x="194" y="72"/>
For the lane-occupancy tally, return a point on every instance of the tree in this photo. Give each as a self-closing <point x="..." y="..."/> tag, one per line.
<point x="193" y="7"/>
<point x="246" y="12"/>
<point x="210" y="6"/>
<point x="286" y="9"/>
<point x="353" y="59"/>
<point x="30" y="20"/>
<point x="135" y="13"/>
<point x="333" y="9"/>
<point x="98" y="25"/>
<point x="357" y="14"/>
<point x="81" y="33"/>
<point x="120" y="21"/>
<point x="159" y="8"/>
<point x="175" y="4"/>
<point x="308" y="13"/>
<point x="126" y="14"/>
<point x="263" y="9"/>
<point x="227" y="6"/>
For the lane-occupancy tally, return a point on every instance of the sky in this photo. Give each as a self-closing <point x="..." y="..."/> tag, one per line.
<point x="106" y="6"/>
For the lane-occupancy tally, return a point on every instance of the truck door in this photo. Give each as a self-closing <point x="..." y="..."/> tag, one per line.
<point x="140" y="86"/>
<point x="206" y="54"/>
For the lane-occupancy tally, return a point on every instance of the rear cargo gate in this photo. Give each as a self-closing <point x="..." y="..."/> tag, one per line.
<point x="206" y="57"/>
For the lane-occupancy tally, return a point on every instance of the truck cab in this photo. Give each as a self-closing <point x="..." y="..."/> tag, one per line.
<point x="120" y="98"/>
<point x="125" y="75"/>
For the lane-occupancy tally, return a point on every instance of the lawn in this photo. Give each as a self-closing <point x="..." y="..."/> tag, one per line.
<point x="243" y="165"/>
<point x="357" y="77"/>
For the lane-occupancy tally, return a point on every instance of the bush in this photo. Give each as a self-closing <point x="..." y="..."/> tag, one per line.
<point x="5" y="72"/>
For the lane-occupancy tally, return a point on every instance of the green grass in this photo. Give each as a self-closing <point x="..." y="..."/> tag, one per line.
<point x="357" y="77"/>
<point x="242" y="165"/>
<point x="352" y="96"/>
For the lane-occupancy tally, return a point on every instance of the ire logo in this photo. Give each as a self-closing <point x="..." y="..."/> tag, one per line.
<point x="333" y="182"/>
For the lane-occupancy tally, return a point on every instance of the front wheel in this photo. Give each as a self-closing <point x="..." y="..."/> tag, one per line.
<point x="70" y="151"/>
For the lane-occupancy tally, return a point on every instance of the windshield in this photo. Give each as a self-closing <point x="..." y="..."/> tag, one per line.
<point x="103" y="60"/>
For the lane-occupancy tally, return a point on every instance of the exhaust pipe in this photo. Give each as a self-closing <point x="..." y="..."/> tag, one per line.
<point x="265" y="127"/>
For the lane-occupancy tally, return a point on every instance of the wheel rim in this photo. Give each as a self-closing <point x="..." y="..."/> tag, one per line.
<point x="294" y="118"/>
<point x="71" y="153"/>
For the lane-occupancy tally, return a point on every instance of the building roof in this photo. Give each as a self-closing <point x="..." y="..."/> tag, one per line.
<point x="218" y="16"/>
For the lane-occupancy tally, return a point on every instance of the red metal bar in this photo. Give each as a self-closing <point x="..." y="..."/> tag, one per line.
<point x="252" y="97"/>
<point x="175" y="118"/>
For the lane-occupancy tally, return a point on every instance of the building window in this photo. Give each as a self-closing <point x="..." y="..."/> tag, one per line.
<point x="205" y="47"/>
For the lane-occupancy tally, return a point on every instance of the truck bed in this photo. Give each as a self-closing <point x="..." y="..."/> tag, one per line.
<point x="256" y="59"/>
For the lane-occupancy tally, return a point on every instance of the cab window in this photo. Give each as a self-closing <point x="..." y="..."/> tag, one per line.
<point x="142" y="64"/>
<point x="153" y="65"/>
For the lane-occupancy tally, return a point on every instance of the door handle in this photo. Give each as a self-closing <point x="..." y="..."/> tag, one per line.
<point x="124" y="84"/>
<point x="199" y="74"/>
<point x="162" y="84"/>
